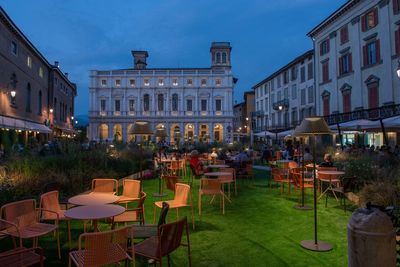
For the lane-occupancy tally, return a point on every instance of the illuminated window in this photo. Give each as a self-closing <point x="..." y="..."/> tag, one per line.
<point x="189" y="82"/>
<point x="160" y="82"/>
<point x="29" y="62"/>
<point x="132" y="82"/>
<point x="103" y="82"/>
<point x="14" y="48"/>
<point x="174" y="82"/>
<point x="118" y="83"/>
<point x="41" y="72"/>
<point x="146" y="82"/>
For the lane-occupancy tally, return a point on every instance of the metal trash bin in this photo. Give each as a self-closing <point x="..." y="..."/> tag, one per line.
<point x="371" y="239"/>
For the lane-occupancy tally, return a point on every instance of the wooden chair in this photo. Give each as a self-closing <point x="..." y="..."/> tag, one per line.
<point x="19" y="256"/>
<point x="131" y="190"/>
<point x="182" y="198"/>
<point x="281" y="178"/>
<point x="298" y="182"/>
<point x="346" y="186"/>
<point x="50" y="201"/>
<point x="168" y="239"/>
<point x="102" y="248"/>
<point x="131" y="215"/>
<point x="104" y="185"/>
<point x="211" y="187"/>
<point x="170" y="181"/>
<point x="229" y="179"/>
<point x="149" y="230"/>
<point x="25" y="215"/>
<point x="246" y="172"/>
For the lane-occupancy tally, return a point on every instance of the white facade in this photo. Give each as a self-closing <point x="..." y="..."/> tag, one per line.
<point x="284" y="98"/>
<point x="367" y="77"/>
<point x="194" y="104"/>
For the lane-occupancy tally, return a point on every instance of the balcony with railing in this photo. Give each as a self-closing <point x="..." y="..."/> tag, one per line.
<point x="281" y="104"/>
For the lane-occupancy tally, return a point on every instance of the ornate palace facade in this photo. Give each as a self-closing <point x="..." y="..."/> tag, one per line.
<point x="193" y="104"/>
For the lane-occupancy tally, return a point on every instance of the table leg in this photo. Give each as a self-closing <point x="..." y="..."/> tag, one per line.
<point x="95" y="227"/>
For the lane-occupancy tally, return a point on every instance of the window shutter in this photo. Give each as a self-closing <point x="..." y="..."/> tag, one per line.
<point x="373" y="97"/>
<point x="340" y="65"/>
<point x="397" y="40"/>
<point x="326" y="106"/>
<point x="363" y="23"/>
<point x="376" y="17"/>
<point x="365" y="55"/>
<point x="350" y="63"/>
<point x="346" y="102"/>
<point x="378" y="51"/>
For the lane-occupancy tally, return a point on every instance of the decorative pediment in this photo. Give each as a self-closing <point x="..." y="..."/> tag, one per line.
<point x="372" y="79"/>
<point x="346" y="88"/>
<point x="326" y="93"/>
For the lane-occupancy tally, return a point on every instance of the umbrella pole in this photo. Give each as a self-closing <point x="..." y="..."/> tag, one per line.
<point x="340" y="136"/>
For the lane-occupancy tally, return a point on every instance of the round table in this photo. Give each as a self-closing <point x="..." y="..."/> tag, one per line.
<point x="94" y="213"/>
<point x="93" y="199"/>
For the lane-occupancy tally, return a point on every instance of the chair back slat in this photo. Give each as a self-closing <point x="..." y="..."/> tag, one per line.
<point x="182" y="192"/>
<point x="170" y="236"/>
<point x="103" y="248"/>
<point x="131" y="188"/>
<point x="104" y="185"/>
<point x="21" y="212"/>
<point x="49" y="201"/>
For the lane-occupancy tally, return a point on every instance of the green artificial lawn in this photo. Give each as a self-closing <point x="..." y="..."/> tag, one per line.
<point x="260" y="228"/>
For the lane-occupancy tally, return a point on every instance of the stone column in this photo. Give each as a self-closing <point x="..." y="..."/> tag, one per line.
<point x="110" y="136"/>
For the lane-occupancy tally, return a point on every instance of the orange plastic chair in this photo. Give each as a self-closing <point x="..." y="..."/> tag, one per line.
<point x="104" y="185"/>
<point x="298" y="183"/>
<point x="102" y="248"/>
<point x="25" y="215"/>
<point x="50" y="201"/>
<point x="281" y="178"/>
<point x="169" y="239"/>
<point x="131" y="190"/>
<point x="170" y="181"/>
<point x="229" y="179"/>
<point x="132" y="215"/>
<point x="182" y="198"/>
<point x="19" y="256"/>
<point x="211" y="187"/>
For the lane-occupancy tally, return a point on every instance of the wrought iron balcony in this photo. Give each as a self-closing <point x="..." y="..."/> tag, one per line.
<point x="281" y="105"/>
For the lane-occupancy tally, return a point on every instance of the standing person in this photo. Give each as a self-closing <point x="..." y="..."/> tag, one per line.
<point x="195" y="163"/>
<point x="307" y="155"/>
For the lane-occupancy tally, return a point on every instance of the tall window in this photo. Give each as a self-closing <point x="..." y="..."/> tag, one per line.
<point x="160" y="102"/>
<point x="373" y="96"/>
<point x="325" y="71"/>
<point x="28" y="98"/>
<point x="14" y="48"/>
<point x="118" y="83"/>
<point x="310" y="94"/>
<point x="189" y="105"/>
<point x="102" y="105"/>
<point x="103" y="82"/>
<point x="175" y="102"/>
<point x="203" y="82"/>
<point x="303" y="74"/>
<point x="218" y="57"/>
<point x="286" y="93"/>
<point x="286" y="77"/>
<point x="40" y="72"/>
<point x="303" y="96"/>
<point x="29" y="61"/>
<point x="218" y="105"/>
<point x="369" y="20"/>
<point x="294" y="91"/>
<point x="204" y="105"/>
<point x="40" y="103"/>
<point x="324" y="47"/>
<point x="132" y="82"/>
<point x="118" y="105"/>
<point x="189" y="82"/>
<point x="346" y="96"/>
<point x="174" y="82"/>
<point x="223" y="57"/>
<point x="397" y="40"/>
<point x="326" y="106"/>
<point x="294" y="73"/>
<point x="371" y="53"/>
<point x="131" y="105"/>
<point x="345" y="64"/>
<point x="310" y="71"/>
<point x="278" y="80"/>
<point x="279" y="96"/>
<point x="146" y="102"/>
<point x="396" y="6"/>
<point x="344" y="34"/>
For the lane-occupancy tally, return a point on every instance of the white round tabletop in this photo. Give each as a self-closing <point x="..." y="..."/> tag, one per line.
<point x="93" y="199"/>
<point x="217" y="173"/>
<point x="94" y="212"/>
<point x="331" y="172"/>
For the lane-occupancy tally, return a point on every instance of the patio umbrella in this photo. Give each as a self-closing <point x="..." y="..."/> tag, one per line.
<point x="313" y="126"/>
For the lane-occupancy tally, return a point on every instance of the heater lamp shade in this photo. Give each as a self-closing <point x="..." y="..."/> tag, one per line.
<point x="312" y="126"/>
<point x="161" y="133"/>
<point x="141" y="128"/>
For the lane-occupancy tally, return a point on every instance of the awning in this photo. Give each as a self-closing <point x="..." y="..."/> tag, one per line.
<point x="286" y="133"/>
<point x="393" y="122"/>
<point x="264" y="134"/>
<point x="357" y="125"/>
<point x="18" y="124"/>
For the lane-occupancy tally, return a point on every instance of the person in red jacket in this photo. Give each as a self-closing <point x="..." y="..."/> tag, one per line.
<point x="195" y="163"/>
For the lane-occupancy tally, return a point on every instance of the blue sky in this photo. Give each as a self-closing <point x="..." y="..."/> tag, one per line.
<point x="99" y="34"/>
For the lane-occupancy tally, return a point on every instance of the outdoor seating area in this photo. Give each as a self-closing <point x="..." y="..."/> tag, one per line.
<point x="227" y="204"/>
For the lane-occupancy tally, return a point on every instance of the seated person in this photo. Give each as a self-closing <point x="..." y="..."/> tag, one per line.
<point x="327" y="161"/>
<point x="195" y="163"/>
<point x="307" y="155"/>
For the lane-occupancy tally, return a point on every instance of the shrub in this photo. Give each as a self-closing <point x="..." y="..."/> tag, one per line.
<point x="380" y="193"/>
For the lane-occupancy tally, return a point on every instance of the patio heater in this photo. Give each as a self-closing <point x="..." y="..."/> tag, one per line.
<point x="141" y="128"/>
<point x="161" y="133"/>
<point x="313" y="126"/>
<point x="302" y="206"/>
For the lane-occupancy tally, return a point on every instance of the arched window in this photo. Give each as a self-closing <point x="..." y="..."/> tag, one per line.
<point x="218" y="57"/>
<point x="40" y="103"/>
<point x="223" y="57"/>
<point x="175" y="102"/>
<point x="146" y="102"/>
<point x="160" y="102"/>
<point x="28" y="97"/>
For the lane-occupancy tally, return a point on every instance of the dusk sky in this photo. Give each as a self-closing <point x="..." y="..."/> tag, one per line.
<point x="99" y="34"/>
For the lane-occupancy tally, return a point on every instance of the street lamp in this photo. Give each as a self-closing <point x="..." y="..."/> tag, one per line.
<point x="280" y="107"/>
<point x="51" y="110"/>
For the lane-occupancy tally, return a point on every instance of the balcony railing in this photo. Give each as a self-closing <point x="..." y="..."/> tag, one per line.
<point x="281" y="105"/>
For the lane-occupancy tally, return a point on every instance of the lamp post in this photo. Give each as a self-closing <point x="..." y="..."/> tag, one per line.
<point x="141" y="128"/>
<point x="313" y="126"/>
